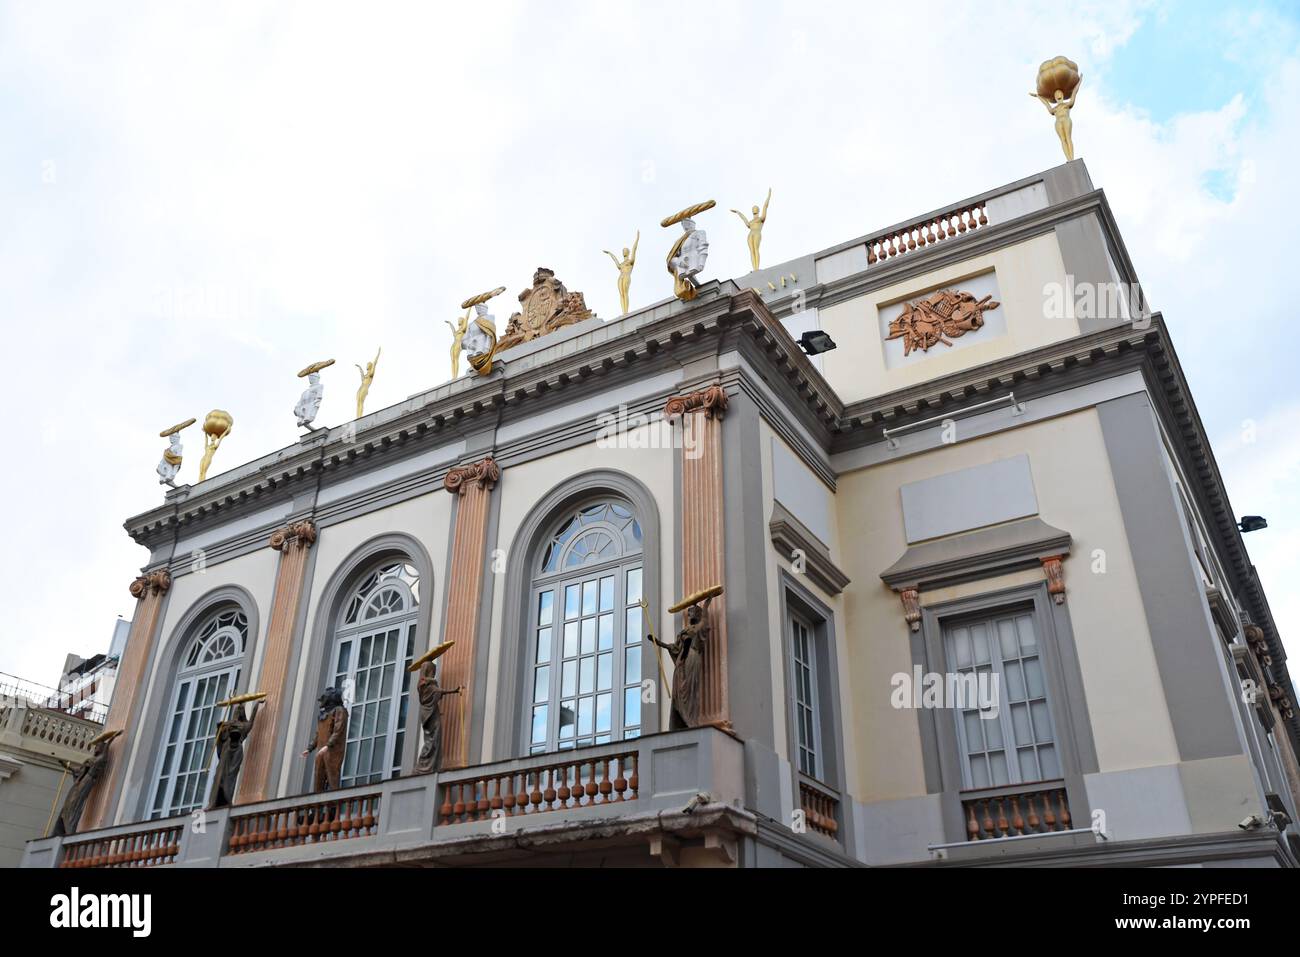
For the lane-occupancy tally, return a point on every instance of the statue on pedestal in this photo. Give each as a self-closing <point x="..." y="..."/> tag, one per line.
<point x="171" y="459"/>
<point x="625" y="269"/>
<point x="1055" y="77"/>
<point x="367" y="377"/>
<point x="691" y="251"/>
<point x="687" y="653"/>
<point x="84" y="778"/>
<point x="330" y="741"/>
<point x="229" y="742"/>
<point x="309" y="404"/>
<point x="431" y="694"/>
<point x="755" y="227"/>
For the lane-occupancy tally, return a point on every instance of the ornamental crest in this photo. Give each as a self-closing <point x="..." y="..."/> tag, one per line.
<point x="545" y="307"/>
<point x="939" y="317"/>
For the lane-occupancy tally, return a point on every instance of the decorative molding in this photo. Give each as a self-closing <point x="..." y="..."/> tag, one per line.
<point x="789" y="536"/>
<point x="152" y="583"/>
<point x="302" y="534"/>
<point x="981" y="553"/>
<point x="712" y="401"/>
<point x="9" y="766"/>
<point x="544" y="308"/>
<point x="1055" y="577"/>
<point x="911" y="599"/>
<point x="484" y="474"/>
<point x="938" y="317"/>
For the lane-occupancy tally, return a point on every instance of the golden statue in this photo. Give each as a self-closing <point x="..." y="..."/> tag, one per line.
<point x="216" y="426"/>
<point x="367" y="377"/>
<point x="458" y="330"/>
<point x="755" y="227"/>
<point x="625" y="269"/>
<point x="1055" y="77"/>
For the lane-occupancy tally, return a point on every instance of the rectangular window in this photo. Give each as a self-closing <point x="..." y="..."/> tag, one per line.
<point x="807" y="716"/>
<point x="1014" y="741"/>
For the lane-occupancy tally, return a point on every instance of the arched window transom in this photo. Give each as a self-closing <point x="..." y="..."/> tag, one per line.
<point x="586" y="631"/>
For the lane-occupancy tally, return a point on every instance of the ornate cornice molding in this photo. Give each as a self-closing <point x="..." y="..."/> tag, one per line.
<point x="712" y="401"/>
<point x="302" y="534"/>
<point x="484" y="473"/>
<point x="794" y="542"/>
<point x="153" y="583"/>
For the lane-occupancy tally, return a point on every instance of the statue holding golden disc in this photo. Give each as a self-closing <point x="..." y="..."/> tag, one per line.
<point x="478" y="339"/>
<point x="309" y="403"/>
<point x="216" y="426"/>
<point x="689" y="254"/>
<point x="687" y="653"/>
<point x="228" y="745"/>
<point x="84" y="778"/>
<point x="171" y="458"/>
<point x="1059" y="80"/>
<point x="431" y="693"/>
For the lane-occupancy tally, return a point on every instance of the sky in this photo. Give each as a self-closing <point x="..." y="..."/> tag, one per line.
<point x="197" y="200"/>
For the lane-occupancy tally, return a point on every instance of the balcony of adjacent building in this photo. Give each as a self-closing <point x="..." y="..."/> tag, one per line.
<point x="678" y="798"/>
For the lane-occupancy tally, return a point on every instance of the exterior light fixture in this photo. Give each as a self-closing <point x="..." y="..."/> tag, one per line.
<point x="1252" y="523"/>
<point x="814" y="342"/>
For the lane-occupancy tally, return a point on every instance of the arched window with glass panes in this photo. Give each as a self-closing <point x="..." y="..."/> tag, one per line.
<point x="374" y="639"/>
<point x="585" y="631"/>
<point x="209" y="673"/>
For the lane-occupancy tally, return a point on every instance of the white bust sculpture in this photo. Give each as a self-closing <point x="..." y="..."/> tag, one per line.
<point x="690" y="259"/>
<point x="309" y="404"/>
<point x="170" y="463"/>
<point x="476" y="340"/>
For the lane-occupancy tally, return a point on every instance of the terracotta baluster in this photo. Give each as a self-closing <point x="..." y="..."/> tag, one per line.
<point x="605" y="787"/>
<point x="535" y="798"/>
<point x="634" y="781"/>
<point x="972" y="825"/>
<point x="459" y="810"/>
<point x="984" y="220"/>
<point x="1034" y="820"/>
<point x="562" y="792"/>
<point x="1049" y="814"/>
<point x="496" y="795"/>
<point x="620" y="782"/>
<point x="592" y="787"/>
<point x="1017" y="821"/>
<point x="871" y="253"/>
<point x="521" y="799"/>
<point x="548" y="796"/>
<point x="445" y="810"/>
<point x="1065" y="811"/>
<point x="988" y="819"/>
<point x="911" y="239"/>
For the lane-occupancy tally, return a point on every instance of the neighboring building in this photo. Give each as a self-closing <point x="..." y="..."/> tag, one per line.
<point x="983" y="486"/>
<point x="35" y="739"/>
<point x="86" y="685"/>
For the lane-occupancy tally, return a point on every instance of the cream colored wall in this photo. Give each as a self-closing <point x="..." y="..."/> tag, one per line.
<point x="1076" y="492"/>
<point x="856" y="368"/>
<point x="255" y="572"/>
<point x="523" y="486"/>
<point x="427" y="519"/>
<point x="774" y="564"/>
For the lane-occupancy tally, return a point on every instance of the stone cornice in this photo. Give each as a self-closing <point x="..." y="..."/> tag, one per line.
<point x="794" y="542"/>
<point x="484" y="473"/>
<point x="295" y="535"/>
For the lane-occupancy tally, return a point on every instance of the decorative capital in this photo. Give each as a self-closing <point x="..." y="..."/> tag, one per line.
<point x="911" y="599"/>
<point x="155" y="583"/>
<point x="711" y="401"/>
<point x="1055" y="577"/>
<point x="484" y="473"/>
<point x="302" y="534"/>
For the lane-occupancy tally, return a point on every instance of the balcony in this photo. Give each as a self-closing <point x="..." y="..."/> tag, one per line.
<point x="675" y="797"/>
<point x="26" y="726"/>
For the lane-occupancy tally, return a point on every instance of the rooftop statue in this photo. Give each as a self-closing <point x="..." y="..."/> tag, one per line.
<point x="691" y="251"/>
<point x="309" y="404"/>
<point x="171" y="459"/>
<point x="755" y="227"/>
<point x="478" y="339"/>
<point x="216" y="426"/>
<point x="1059" y="80"/>
<point x="625" y="270"/>
<point x="367" y="377"/>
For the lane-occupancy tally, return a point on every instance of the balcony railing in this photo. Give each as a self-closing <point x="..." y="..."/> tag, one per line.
<point x="1016" y="810"/>
<point x="149" y="848"/>
<point x="820" y="807"/>
<point x="926" y="232"/>
<point x="311" y="822"/>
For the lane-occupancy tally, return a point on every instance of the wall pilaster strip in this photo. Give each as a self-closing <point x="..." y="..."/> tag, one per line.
<point x="474" y="484"/>
<point x="292" y="542"/>
<point x="148" y="591"/>
<point x="702" y="537"/>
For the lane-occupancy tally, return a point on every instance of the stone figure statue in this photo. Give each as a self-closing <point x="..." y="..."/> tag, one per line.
<point x="367" y="377"/>
<point x="687" y="652"/>
<point x="624" y="267"/>
<point x="691" y="251"/>
<point x="431" y="694"/>
<point x="229" y="743"/>
<point x="309" y="404"/>
<point x="755" y="227"/>
<point x="478" y="339"/>
<point x="330" y="741"/>
<point x="84" y="778"/>
<point x="170" y="464"/>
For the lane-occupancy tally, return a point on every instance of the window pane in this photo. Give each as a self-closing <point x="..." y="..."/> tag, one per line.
<point x="607" y="593"/>
<point x="605" y="672"/>
<point x="585" y="709"/>
<point x="570" y="679"/>
<point x="588" y="635"/>
<point x="603" y="705"/>
<point x="632" y="665"/>
<point x="568" y="718"/>
<point x="571" y="601"/>
<point x="542" y="685"/>
<point x="570" y="639"/>
<point x="543" y="645"/>
<point x="633" y="586"/>
<point x="539" y="724"/>
<point x="606" y="632"/>
<point x="632" y="707"/>
<point x="587" y="676"/>
<point x="634" y="632"/>
<point x="544" y="607"/>
<point x="589" y="597"/>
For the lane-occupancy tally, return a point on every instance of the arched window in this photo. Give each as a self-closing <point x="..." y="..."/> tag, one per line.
<point x="374" y="638"/>
<point x="585" y="631"/>
<point x="209" y="672"/>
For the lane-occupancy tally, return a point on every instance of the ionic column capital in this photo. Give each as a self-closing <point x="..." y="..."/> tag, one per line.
<point x="484" y="473"/>
<point x="712" y="401"/>
<point x="152" y="583"/>
<point x="302" y="534"/>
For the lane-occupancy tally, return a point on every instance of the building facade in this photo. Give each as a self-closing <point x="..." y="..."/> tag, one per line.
<point x="984" y="598"/>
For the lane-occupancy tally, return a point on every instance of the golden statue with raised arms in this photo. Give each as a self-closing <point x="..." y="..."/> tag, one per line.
<point x="625" y="270"/>
<point x="367" y="377"/>
<point x="755" y="227"/>
<point x="1055" y="77"/>
<point x="216" y="426"/>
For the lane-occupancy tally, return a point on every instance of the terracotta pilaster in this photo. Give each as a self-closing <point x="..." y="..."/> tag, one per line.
<point x="474" y="484"/>
<point x="148" y="591"/>
<point x="702" y="537"/>
<point x="292" y="542"/>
